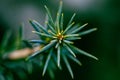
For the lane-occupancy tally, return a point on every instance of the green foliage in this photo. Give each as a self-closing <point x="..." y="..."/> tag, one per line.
<point x="13" y="69"/>
<point x="57" y="41"/>
<point x="57" y="38"/>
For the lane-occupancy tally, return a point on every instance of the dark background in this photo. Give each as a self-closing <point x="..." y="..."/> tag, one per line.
<point x="104" y="43"/>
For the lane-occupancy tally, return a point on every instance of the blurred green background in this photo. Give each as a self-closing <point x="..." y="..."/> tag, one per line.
<point x="104" y="43"/>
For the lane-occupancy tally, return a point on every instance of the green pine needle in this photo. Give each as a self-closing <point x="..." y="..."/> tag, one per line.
<point x="83" y="52"/>
<point x="67" y="47"/>
<point x="68" y="65"/>
<point x="47" y="61"/>
<point x="43" y="49"/>
<point x="87" y="31"/>
<point x="71" y="19"/>
<point x="74" y="59"/>
<point x="78" y="29"/>
<point x="58" y="56"/>
<point x="37" y="25"/>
